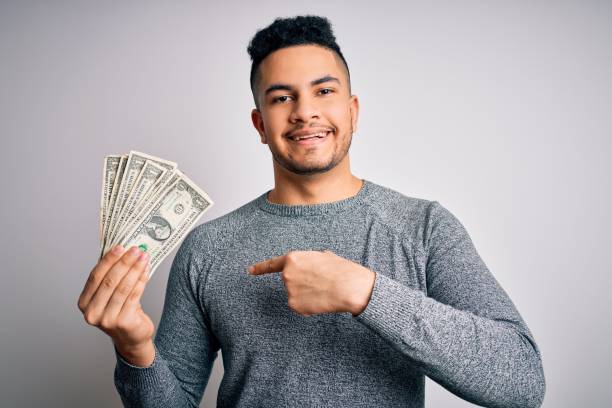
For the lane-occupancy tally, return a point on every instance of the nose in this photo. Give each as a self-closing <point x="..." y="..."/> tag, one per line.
<point x="304" y="110"/>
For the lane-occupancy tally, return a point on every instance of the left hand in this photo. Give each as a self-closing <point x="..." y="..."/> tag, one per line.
<point x="320" y="282"/>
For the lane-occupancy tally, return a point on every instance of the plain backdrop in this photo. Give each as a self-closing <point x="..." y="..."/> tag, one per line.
<point x="499" y="110"/>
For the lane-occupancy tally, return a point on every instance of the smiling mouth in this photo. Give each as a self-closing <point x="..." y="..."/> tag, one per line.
<point x="316" y="135"/>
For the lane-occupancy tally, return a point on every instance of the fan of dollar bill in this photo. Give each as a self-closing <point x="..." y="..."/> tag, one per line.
<point x="147" y="202"/>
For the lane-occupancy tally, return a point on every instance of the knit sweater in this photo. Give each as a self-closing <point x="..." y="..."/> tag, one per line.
<point x="435" y="310"/>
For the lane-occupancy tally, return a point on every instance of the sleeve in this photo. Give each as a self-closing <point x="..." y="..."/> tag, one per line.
<point x="184" y="344"/>
<point x="466" y="333"/>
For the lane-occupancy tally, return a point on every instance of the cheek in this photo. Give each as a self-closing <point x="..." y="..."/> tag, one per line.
<point x="274" y="121"/>
<point x="339" y="115"/>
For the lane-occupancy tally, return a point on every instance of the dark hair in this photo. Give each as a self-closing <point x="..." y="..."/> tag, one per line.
<point x="287" y="32"/>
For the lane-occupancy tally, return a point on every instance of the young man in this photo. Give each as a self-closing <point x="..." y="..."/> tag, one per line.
<point x="354" y="292"/>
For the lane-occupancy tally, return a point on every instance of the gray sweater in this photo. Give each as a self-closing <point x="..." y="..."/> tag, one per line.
<point x="435" y="310"/>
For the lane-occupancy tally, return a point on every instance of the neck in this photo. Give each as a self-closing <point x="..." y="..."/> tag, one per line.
<point x="295" y="189"/>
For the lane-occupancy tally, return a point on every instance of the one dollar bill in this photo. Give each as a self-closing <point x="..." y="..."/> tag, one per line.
<point x="147" y="202"/>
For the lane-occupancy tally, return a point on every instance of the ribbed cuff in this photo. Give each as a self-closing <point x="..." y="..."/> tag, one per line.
<point x="393" y="309"/>
<point x="135" y="377"/>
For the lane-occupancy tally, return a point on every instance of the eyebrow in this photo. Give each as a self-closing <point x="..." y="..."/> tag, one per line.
<point x="285" y="87"/>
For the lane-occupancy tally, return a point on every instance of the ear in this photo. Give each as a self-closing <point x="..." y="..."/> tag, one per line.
<point x="354" y="108"/>
<point x="257" y="120"/>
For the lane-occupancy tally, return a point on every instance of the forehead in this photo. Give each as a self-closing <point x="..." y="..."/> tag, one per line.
<point x="299" y="64"/>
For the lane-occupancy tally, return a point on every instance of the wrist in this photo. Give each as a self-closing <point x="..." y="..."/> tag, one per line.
<point x="139" y="355"/>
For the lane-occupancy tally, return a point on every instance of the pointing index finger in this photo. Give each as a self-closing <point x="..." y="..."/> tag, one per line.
<point x="271" y="265"/>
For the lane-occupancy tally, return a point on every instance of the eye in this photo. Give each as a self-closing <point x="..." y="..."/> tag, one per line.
<point x="281" y="99"/>
<point x="326" y="91"/>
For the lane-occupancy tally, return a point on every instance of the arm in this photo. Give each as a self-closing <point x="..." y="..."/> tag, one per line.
<point x="184" y="345"/>
<point x="466" y="333"/>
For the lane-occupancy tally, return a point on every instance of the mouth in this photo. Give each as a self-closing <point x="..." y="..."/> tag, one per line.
<point x="309" y="138"/>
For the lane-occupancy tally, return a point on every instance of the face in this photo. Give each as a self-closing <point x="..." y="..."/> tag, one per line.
<point x="306" y="113"/>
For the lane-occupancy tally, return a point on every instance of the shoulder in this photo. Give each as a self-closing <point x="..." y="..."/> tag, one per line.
<point x="418" y="220"/>
<point x="399" y="212"/>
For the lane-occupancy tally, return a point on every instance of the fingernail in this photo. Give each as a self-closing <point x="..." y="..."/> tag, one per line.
<point x="143" y="257"/>
<point x="134" y="250"/>
<point x="250" y="269"/>
<point x="117" y="249"/>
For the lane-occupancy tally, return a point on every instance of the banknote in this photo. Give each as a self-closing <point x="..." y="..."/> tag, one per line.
<point x="109" y="171"/>
<point x="147" y="177"/>
<point x="133" y="167"/>
<point x="169" y="220"/>
<point x="111" y="199"/>
<point x="147" y="202"/>
<point x="143" y="208"/>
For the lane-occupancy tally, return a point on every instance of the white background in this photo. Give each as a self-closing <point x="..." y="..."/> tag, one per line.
<point x="498" y="110"/>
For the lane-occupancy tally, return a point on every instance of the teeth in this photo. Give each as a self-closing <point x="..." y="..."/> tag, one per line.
<point x="320" y="134"/>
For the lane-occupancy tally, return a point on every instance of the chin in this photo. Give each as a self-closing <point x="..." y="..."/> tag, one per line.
<point x="298" y="168"/>
<point x="309" y="171"/>
<point x="304" y="169"/>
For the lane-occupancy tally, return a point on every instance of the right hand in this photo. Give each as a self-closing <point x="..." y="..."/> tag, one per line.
<point x="111" y="301"/>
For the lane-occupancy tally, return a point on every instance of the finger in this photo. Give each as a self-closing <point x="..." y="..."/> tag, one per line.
<point x="97" y="274"/>
<point x="271" y="265"/>
<point x="125" y="287"/>
<point x="133" y="300"/>
<point x="109" y="283"/>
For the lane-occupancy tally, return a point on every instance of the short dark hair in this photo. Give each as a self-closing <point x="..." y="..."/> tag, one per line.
<point x="287" y="32"/>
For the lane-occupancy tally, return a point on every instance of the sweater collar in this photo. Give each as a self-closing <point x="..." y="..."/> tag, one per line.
<point x="298" y="210"/>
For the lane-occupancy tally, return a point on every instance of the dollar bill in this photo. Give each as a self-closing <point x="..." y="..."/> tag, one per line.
<point x="134" y="166"/>
<point x="145" y="205"/>
<point x="111" y="165"/>
<point x="132" y="169"/>
<point x="168" y="221"/>
<point x="148" y="202"/>
<point x="112" y="198"/>
<point x="150" y="173"/>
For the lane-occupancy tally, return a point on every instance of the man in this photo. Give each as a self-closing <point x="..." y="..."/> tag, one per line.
<point x="328" y="290"/>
